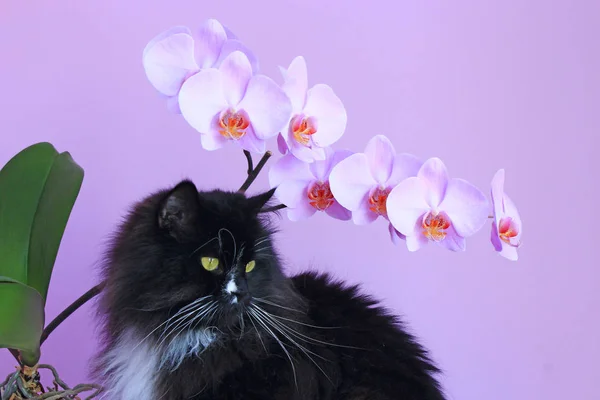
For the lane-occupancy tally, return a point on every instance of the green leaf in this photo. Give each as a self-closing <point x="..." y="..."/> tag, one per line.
<point x="38" y="188"/>
<point x="21" y="316"/>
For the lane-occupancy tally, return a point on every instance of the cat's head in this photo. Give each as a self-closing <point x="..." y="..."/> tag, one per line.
<point x="209" y="253"/>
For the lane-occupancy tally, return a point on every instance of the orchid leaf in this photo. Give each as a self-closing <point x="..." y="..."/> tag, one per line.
<point x="38" y="188"/>
<point x="21" y="318"/>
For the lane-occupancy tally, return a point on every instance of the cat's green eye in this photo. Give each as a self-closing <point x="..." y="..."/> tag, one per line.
<point x="250" y="266"/>
<point x="209" y="263"/>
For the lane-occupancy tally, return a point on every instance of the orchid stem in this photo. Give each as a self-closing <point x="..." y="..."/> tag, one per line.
<point x="252" y="174"/>
<point x="90" y="294"/>
<point x="249" y="158"/>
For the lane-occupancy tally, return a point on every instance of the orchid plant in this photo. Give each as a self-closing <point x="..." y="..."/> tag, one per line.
<point x="213" y="80"/>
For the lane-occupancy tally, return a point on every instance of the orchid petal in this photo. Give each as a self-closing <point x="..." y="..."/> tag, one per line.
<point x="466" y="206"/>
<point x="229" y="33"/>
<point x="232" y="45"/>
<point x="306" y="154"/>
<point x="405" y="166"/>
<point x="504" y="207"/>
<point x="237" y="72"/>
<point x="201" y="99"/>
<point x="381" y="154"/>
<point x="350" y="181"/>
<point x="511" y="210"/>
<point x="288" y="167"/>
<point x="322" y="168"/>
<point x="212" y="142"/>
<point x="495" y="238"/>
<point x="498" y="193"/>
<point x="416" y="242"/>
<point x="303" y="211"/>
<point x="173" y="104"/>
<point x="209" y="42"/>
<point x="251" y="143"/>
<point x="453" y="241"/>
<point x="435" y="174"/>
<point x="338" y="212"/>
<point x="292" y="192"/>
<point x="363" y="214"/>
<point x="267" y="106"/>
<point x="296" y="83"/>
<point x="168" y="60"/>
<point x="327" y="108"/>
<point x="406" y="204"/>
<point x="395" y="236"/>
<point x="281" y="144"/>
<point x="509" y="252"/>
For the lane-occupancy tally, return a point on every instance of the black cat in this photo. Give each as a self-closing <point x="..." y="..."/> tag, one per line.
<point x="196" y="306"/>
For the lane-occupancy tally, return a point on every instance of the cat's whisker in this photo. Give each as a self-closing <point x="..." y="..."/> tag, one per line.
<point x="266" y="238"/>
<point x="167" y="321"/>
<point x="199" y="316"/>
<point x="300" y="347"/>
<point x="258" y="333"/>
<point x="239" y="257"/>
<point x="217" y="309"/>
<point x="305" y="324"/>
<point x="265" y="326"/>
<point x="262" y="300"/>
<point x="234" y="243"/>
<point x="198" y="310"/>
<point x="183" y="316"/>
<point x="242" y="325"/>
<point x="143" y="309"/>
<point x="201" y="246"/>
<point x="193" y="323"/>
<point x="278" y="326"/>
<point x="307" y="339"/>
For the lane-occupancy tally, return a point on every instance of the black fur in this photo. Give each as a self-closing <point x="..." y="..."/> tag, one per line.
<point x="331" y="342"/>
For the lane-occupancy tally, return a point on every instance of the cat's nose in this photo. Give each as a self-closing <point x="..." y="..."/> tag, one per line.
<point x="238" y="290"/>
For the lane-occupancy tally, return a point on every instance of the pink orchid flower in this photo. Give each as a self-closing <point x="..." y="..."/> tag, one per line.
<point x="318" y="117"/>
<point x="176" y="54"/>
<point x="432" y="207"/>
<point x="506" y="229"/>
<point x="230" y="104"/>
<point x="304" y="188"/>
<point x="363" y="181"/>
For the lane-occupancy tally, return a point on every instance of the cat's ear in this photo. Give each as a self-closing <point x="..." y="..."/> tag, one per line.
<point x="179" y="210"/>
<point x="256" y="203"/>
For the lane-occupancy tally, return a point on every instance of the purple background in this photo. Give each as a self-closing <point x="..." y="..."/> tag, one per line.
<point x="482" y="85"/>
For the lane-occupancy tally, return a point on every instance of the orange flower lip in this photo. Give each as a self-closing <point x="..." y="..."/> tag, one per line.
<point x="233" y="124"/>
<point x="320" y="196"/>
<point x="435" y="226"/>
<point x="378" y="200"/>
<point x="303" y="128"/>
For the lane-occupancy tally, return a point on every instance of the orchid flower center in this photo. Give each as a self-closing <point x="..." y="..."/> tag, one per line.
<point x="508" y="230"/>
<point x="302" y="128"/>
<point x="233" y="124"/>
<point x="435" y="226"/>
<point x="320" y="196"/>
<point x="378" y="200"/>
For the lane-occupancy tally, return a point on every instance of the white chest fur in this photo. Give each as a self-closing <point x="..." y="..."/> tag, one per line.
<point x="134" y="364"/>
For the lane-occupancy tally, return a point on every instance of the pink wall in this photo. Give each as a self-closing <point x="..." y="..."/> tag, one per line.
<point x="480" y="84"/>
